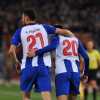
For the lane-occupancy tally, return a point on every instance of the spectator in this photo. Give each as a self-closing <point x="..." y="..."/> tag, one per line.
<point x="94" y="58"/>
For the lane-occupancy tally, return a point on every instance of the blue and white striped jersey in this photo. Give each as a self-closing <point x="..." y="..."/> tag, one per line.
<point x="67" y="55"/>
<point x="34" y="36"/>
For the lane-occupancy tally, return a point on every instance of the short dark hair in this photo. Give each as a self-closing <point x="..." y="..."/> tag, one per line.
<point x="30" y="13"/>
<point x="59" y="26"/>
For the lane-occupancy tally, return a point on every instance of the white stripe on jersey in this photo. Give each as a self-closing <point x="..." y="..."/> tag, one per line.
<point x="67" y="49"/>
<point x="41" y="39"/>
<point x="23" y="63"/>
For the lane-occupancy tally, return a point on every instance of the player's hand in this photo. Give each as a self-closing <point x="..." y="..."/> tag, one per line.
<point x="84" y="78"/>
<point x="31" y="52"/>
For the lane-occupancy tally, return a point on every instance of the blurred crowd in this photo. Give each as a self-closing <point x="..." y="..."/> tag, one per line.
<point x="80" y="13"/>
<point x="81" y="16"/>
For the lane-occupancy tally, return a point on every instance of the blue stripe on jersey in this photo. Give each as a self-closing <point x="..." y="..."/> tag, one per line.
<point x="49" y="28"/>
<point x="16" y="39"/>
<point x="41" y="61"/>
<point x="68" y="65"/>
<point x="28" y="62"/>
<point x="78" y="65"/>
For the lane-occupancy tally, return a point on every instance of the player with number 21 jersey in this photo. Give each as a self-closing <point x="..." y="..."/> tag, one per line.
<point x="34" y="70"/>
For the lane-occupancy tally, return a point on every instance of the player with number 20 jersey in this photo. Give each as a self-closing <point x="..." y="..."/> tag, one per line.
<point x="67" y="65"/>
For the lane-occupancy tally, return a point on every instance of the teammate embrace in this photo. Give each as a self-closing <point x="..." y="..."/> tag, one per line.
<point x="36" y="61"/>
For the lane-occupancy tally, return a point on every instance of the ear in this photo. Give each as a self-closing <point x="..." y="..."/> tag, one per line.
<point x="27" y="19"/>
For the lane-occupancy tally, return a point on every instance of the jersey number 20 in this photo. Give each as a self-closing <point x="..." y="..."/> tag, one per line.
<point x="70" y="48"/>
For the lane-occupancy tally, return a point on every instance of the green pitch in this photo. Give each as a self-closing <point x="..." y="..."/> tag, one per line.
<point x="13" y="93"/>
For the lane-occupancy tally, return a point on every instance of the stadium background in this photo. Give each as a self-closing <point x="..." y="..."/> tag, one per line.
<point x="80" y="16"/>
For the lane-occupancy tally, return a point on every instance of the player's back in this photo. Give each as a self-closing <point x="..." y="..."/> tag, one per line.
<point x="67" y="51"/>
<point x="34" y="37"/>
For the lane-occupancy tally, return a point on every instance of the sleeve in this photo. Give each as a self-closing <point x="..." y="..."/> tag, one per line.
<point x="84" y="54"/>
<point x="53" y="44"/>
<point x="98" y="55"/>
<point x="49" y="28"/>
<point x="16" y="39"/>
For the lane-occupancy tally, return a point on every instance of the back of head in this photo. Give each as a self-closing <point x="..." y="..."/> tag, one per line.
<point x="59" y="26"/>
<point x="30" y="13"/>
<point x="63" y="27"/>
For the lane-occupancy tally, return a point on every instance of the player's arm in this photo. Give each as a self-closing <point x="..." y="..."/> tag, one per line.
<point x="84" y="54"/>
<point x="98" y="58"/>
<point x="63" y="32"/>
<point x="12" y="52"/>
<point x="52" y="45"/>
<point x="81" y="64"/>
<point x="15" y="41"/>
<point x="60" y="31"/>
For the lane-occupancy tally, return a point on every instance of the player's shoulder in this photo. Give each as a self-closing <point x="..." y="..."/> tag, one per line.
<point x="18" y="31"/>
<point x="48" y="26"/>
<point x="30" y="27"/>
<point x="96" y="51"/>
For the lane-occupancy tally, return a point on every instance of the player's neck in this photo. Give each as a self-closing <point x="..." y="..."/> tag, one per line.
<point x="90" y="50"/>
<point x="30" y="22"/>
